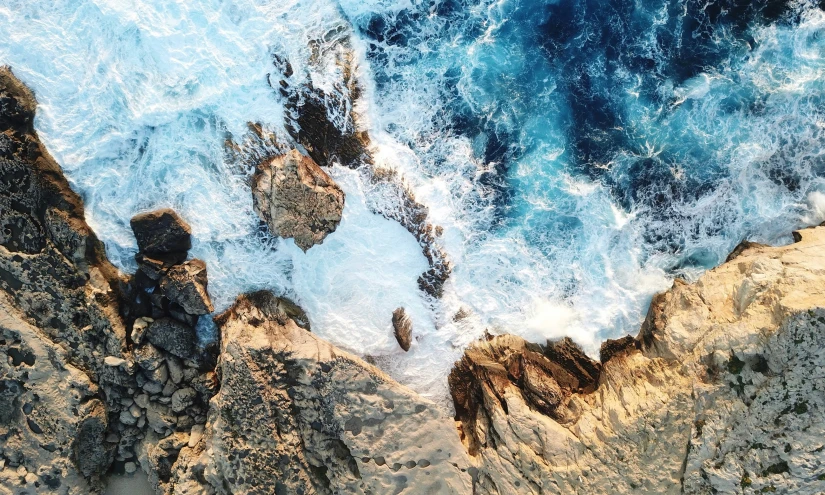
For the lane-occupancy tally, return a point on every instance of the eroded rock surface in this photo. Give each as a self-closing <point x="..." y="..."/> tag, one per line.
<point x="722" y="392"/>
<point x="161" y="232"/>
<point x="297" y="415"/>
<point x="297" y="199"/>
<point x="402" y="328"/>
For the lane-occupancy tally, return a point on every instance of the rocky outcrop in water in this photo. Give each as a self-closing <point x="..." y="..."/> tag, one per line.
<point x="296" y="415"/>
<point x="402" y="328"/>
<point x="297" y="199"/>
<point x="721" y="392"/>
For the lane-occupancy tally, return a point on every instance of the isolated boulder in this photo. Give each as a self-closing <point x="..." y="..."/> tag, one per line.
<point x="161" y="232"/>
<point x="185" y="284"/>
<point x="402" y="327"/>
<point x="297" y="199"/>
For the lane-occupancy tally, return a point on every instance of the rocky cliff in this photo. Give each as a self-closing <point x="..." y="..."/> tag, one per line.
<point x="722" y="391"/>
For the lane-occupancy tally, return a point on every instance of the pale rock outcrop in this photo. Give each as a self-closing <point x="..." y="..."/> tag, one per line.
<point x="296" y="415"/>
<point x="722" y="392"/>
<point x="297" y="199"/>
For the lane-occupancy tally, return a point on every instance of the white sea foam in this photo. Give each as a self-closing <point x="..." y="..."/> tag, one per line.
<point x="136" y="100"/>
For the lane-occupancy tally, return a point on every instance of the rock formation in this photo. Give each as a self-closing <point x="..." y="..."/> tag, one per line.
<point x="721" y="392"/>
<point x="59" y="301"/>
<point x="296" y="415"/>
<point x="297" y="199"/>
<point x="402" y="328"/>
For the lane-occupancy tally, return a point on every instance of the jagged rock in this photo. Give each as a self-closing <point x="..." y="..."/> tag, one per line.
<point x="147" y="357"/>
<point x="297" y="199"/>
<point x="402" y="327"/>
<point x="185" y="284"/>
<point x="721" y="392"/>
<point x="173" y="337"/>
<point x="156" y="266"/>
<point x="161" y="232"/>
<point x="295" y="411"/>
<point x="59" y="302"/>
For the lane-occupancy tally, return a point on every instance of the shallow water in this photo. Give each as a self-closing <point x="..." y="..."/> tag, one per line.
<point x="578" y="154"/>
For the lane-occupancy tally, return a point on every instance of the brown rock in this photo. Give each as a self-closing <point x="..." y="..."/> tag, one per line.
<point x="185" y="284"/>
<point x="402" y="326"/>
<point x="161" y="232"/>
<point x="297" y="199"/>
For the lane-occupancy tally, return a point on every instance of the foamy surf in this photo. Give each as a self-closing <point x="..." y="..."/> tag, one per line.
<point x="551" y="232"/>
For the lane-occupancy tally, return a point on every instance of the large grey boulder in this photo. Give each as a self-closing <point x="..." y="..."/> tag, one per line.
<point x="297" y="199"/>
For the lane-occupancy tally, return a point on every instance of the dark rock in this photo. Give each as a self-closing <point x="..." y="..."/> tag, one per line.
<point x="156" y="266"/>
<point x="573" y="368"/>
<point x="741" y="248"/>
<point x="174" y="337"/>
<point x="161" y="232"/>
<point x="611" y="348"/>
<point x="402" y="327"/>
<point x="185" y="284"/>
<point x="91" y="453"/>
<point x="297" y="199"/>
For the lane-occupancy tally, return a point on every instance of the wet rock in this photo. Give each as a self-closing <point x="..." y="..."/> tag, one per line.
<point x="155" y="266"/>
<point x="297" y="199"/>
<point x="161" y="232"/>
<point x="185" y="284"/>
<point x="402" y="327"/>
<point x="173" y="337"/>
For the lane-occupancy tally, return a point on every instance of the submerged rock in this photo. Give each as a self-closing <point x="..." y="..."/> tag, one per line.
<point x="185" y="284"/>
<point x="297" y="199"/>
<point x="161" y="232"/>
<point x="402" y="328"/>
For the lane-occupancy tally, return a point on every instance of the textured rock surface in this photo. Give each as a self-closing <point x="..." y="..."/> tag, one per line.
<point x="402" y="328"/>
<point x="185" y="284"/>
<point x="722" y="392"/>
<point x="297" y="199"/>
<point x="297" y="415"/>
<point x="161" y="232"/>
<point x="59" y="300"/>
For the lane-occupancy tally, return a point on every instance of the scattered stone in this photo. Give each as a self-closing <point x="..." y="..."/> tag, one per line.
<point x="183" y="398"/>
<point x="402" y="327"/>
<point x="142" y="400"/>
<point x="90" y="451"/>
<point x="195" y="435"/>
<point x="148" y="357"/>
<point x="185" y="284"/>
<point x="130" y="467"/>
<point x="114" y="361"/>
<point x="161" y="232"/>
<point x="175" y="368"/>
<point x="139" y="328"/>
<point x="297" y="199"/>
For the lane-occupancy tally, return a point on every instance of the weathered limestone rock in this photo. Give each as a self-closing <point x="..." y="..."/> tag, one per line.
<point x="297" y="199"/>
<point x="402" y="328"/>
<point x="161" y="232"/>
<point x="185" y="284"/>
<point x="298" y="415"/>
<point x="722" y="392"/>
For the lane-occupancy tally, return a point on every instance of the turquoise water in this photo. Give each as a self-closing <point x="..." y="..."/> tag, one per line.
<point x="577" y="154"/>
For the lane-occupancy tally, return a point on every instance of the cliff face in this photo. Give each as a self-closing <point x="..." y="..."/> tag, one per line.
<point x="59" y="302"/>
<point x="722" y="392"/>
